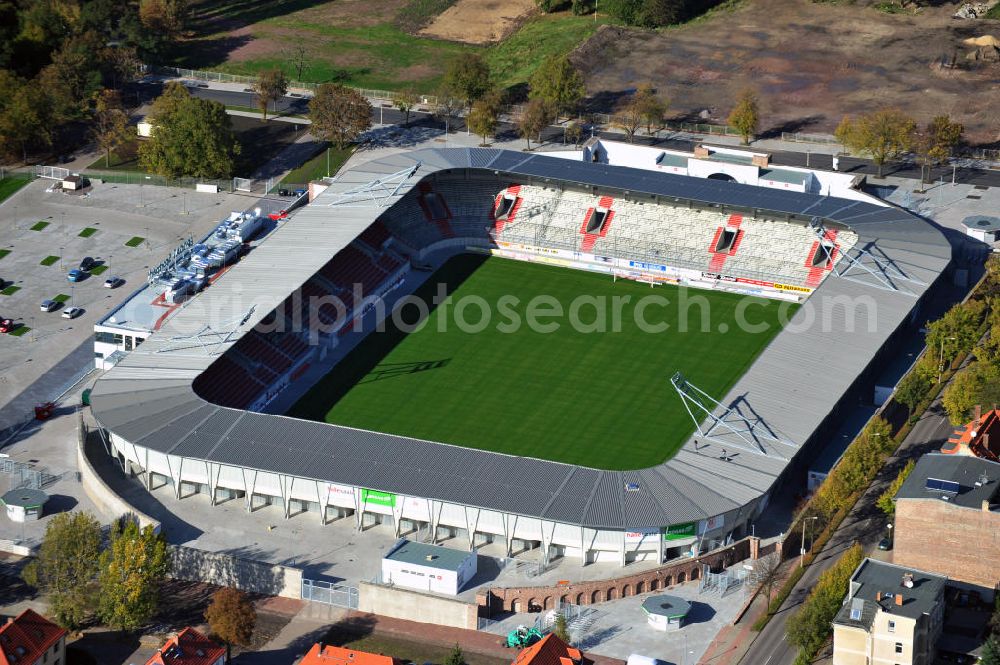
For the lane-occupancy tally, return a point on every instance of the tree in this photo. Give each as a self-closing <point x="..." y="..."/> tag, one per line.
<point x="448" y="106"/>
<point x="484" y="116"/>
<point x="405" y="100"/>
<point x="574" y="132"/>
<point x="991" y="652"/>
<point x="66" y="568"/>
<point x="298" y="58"/>
<point x="74" y="75"/>
<point x="468" y="77"/>
<point x="132" y="569"/>
<point x="886" y="501"/>
<point x="339" y="114"/>
<point x="809" y="628"/>
<point x="650" y="106"/>
<point x="558" y="83"/>
<point x="628" y="118"/>
<point x="270" y="86"/>
<point x="163" y="17"/>
<point x="122" y="65"/>
<point x="936" y="143"/>
<point x="232" y="617"/>
<point x="956" y="332"/>
<point x="884" y="134"/>
<point x="560" y="629"/>
<point x="110" y="128"/>
<point x="192" y="137"/>
<point x="456" y="657"/>
<point x="536" y="116"/>
<point x="913" y="387"/>
<point x="25" y="116"/>
<point x="977" y="384"/>
<point x="745" y="116"/>
<point x="768" y="573"/>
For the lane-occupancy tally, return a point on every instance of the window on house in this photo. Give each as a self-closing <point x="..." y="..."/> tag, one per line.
<point x="899" y="647"/>
<point x="892" y="626"/>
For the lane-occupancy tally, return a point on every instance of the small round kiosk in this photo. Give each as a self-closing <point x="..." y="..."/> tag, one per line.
<point x="24" y="505"/>
<point x="666" y="612"/>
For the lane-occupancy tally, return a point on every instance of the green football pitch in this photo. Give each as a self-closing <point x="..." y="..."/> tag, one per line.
<point x="575" y="395"/>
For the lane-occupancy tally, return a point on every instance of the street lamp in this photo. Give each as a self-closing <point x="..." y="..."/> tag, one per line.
<point x="889" y="527"/>
<point x="802" y="549"/>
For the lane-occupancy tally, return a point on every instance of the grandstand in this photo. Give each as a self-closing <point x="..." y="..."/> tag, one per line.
<point x="193" y="412"/>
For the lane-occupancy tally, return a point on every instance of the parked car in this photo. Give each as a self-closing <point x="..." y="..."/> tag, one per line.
<point x="113" y="282"/>
<point x="49" y="305"/>
<point x="76" y="275"/>
<point x="6" y="325"/>
<point x="885" y="544"/>
<point x="299" y="192"/>
<point x="284" y="192"/>
<point x="88" y="263"/>
<point x="72" y="312"/>
<point x="275" y="216"/>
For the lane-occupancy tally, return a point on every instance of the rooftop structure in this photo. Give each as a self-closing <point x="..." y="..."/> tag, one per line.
<point x="324" y="654"/>
<point x="550" y="650"/>
<point x="979" y="437"/>
<point x="960" y="480"/>
<point x="30" y="638"/>
<point x="189" y="647"/>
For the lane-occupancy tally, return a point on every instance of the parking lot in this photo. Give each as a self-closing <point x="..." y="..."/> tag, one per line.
<point x="125" y="228"/>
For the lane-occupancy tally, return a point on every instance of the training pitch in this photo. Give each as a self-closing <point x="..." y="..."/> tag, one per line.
<point x="597" y="399"/>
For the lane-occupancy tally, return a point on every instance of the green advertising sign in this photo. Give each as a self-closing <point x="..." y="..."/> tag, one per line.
<point x="678" y="531"/>
<point x="378" y="498"/>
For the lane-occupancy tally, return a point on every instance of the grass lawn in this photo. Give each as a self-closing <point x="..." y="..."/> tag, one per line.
<point x="62" y="297"/>
<point x="99" y="270"/>
<point x="39" y="226"/>
<point x="10" y="290"/>
<point x="12" y="183"/>
<point x="125" y="158"/>
<point x="601" y="400"/>
<point x="19" y="331"/>
<point x="87" y="232"/>
<point x="135" y="241"/>
<point x="316" y="168"/>
<point x="385" y="55"/>
<point x="49" y="260"/>
<point x="4" y="252"/>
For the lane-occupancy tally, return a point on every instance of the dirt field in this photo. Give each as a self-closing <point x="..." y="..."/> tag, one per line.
<point x="811" y="63"/>
<point x="479" y="21"/>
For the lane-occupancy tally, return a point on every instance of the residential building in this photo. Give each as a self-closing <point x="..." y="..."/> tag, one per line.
<point x="31" y="639"/>
<point x="324" y="654"/>
<point x="892" y="616"/>
<point x="189" y="647"/>
<point x="948" y="520"/>
<point x="980" y="437"/>
<point x="550" y="650"/>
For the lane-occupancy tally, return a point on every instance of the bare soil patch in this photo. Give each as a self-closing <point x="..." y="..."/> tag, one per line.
<point x="811" y="63"/>
<point x="479" y="21"/>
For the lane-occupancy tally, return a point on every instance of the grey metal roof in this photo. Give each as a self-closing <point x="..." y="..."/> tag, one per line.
<point x="794" y="384"/>
<point x="667" y="606"/>
<point x="24" y="498"/>
<point x="431" y="556"/>
<point x="877" y="584"/>
<point x="966" y="470"/>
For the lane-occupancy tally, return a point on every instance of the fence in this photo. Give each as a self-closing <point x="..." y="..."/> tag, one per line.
<point x="327" y="593"/>
<point x="50" y="172"/>
<point x="222" y="77"/>
<point x="139" y="178"/>
<point x="26" y="476"/>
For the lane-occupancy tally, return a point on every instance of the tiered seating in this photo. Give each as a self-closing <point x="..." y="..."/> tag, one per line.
<point x="375" y="236"/>
<point x="226" y="383"/>
<point x="352" y="266"/>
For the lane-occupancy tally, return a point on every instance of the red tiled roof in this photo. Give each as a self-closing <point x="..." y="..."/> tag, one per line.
<point x="189" y="648"/>
<point x="550" y="650"/>
<point x="26" y="638"/>
<point x="981" y="438"/>
<point x="328" y="655"/>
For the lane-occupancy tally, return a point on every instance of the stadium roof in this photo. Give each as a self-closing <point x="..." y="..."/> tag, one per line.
<point x="148" y="400"/>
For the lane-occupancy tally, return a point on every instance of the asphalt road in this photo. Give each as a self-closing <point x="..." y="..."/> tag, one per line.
<point x="385" y="115"/>
<point x="865" y="524"/>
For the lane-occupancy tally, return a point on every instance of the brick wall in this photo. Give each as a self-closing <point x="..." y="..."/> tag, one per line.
<point x="524" y="599"/>
<point x="939" y="537"/>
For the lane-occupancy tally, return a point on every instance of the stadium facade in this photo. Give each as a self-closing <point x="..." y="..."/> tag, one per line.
<point x="178" y="411"/>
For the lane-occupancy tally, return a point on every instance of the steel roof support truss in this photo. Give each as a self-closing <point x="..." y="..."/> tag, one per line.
<point x="870" y="261"/>
<point x="379" y="192"/>
<point x="726" y="425"/>
<point x="207" y="339"/>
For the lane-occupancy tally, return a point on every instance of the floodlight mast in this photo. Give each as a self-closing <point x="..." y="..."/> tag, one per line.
<point x="881" y="269"/>
<point x="742" y="432"/>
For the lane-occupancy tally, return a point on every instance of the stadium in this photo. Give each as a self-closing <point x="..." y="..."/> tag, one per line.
<point x="278" y="387"/>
